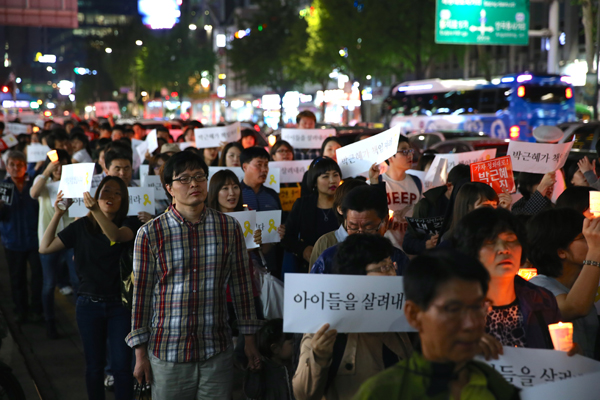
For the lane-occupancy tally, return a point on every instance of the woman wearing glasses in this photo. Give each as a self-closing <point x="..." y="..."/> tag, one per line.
<point x="521" y="311"/>
<point x="312" y="216"/>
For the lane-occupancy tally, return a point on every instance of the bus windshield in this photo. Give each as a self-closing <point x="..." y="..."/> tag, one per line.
<point x="544" y="94"/>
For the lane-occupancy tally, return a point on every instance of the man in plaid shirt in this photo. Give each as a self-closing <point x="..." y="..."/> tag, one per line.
<point x="183" y="262"/>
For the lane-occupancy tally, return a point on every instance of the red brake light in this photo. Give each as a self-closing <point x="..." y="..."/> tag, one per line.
<point x="521" y="91"/>
<point x="568" y="93"/>
<point x="4" y="89"/>
<point x="515" y="131"/>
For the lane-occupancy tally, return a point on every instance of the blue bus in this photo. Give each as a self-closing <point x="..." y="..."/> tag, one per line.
<point x="508" y="108"/>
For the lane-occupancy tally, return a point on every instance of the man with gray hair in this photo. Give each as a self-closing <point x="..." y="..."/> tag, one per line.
<point x="18" y="231"/>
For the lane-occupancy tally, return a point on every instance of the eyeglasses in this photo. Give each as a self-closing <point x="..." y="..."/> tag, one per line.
<point x="405" y="152"/>
<point x="456" y="311"/>
<point x="351" y="230"/>
<point x="283" y="151"/>
<point x="186" y="180"/>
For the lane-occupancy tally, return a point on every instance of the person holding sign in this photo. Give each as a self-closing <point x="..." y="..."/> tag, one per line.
<point x="44" y="190"/>
<point x="332" y="365"/>
<point x="403" y="190"/>
<point x="18" y="230"/>
<point x="183" y="261"/>
<point x="446" y="302"/>
<point x="537" y="192"/>
<point x="99" y="240"/>
<point x="312" y="216"/>
<point x="566" y="257"/>
<point x="521" y="311"/>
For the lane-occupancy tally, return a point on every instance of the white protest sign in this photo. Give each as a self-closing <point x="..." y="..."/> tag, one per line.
<point x="96" y="179"/>
<point x="135" y="143"/>
<point x="529" y="367"/>
<point x="52" y="190"/>
<point x="212" y="137"/>
<point x="350" y="304"/>
<point x="306" y="138"/>
<point x="16" y="129"/>
<point x="268" y="222"/>
<point x="37" y="152"/>
<point x="10" y="140"/>
<point x="144" y="170"/>
<point x="141" y="199"/>
<point x="185" y="145"/>
<point x="137" y="159"/>
<point x="356" y="158"/>
<point x="78" y="208"/>
<point x="141" y="150"/>
<point x="583" y="387"/>
<point x="291" y="171"/>
<point x="76" y="179"/>
<point x="152" y="140"/>
<point x="538" y="158"/>
<point x="238" y="171"/>
<point x="154" y="181"/>
<point x="247" y="220"/>
<point x="273" y="181"/>
<point x="437" y="173"/>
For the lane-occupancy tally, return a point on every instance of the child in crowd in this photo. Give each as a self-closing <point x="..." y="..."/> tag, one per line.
<point x="274" y="380"/>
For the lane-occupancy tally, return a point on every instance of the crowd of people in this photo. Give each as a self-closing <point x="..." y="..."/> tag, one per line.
<point x="195" y="308"/>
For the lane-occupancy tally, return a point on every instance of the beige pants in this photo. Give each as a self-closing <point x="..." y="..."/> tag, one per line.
<point x="210" y="379"/>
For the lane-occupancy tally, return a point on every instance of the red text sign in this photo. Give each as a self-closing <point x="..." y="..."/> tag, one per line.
<point x="497" y="173"/>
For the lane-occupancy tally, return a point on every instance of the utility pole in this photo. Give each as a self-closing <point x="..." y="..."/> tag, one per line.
<point x="551" y="33"/>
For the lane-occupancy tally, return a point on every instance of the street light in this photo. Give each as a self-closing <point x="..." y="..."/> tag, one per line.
<point x="208" y="28"/>
<point x="144" y="93"/>
<point x="139" y="42"/>
<point x="108" y="50"/>
<point x="368" y="77"/>
<point x="192" y="27"/>
<point x="49" y="68"/>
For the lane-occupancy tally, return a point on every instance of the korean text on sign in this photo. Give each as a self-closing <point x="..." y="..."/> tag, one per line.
<point x="348" y="303"/>
<point x="291" y="171"/>
<point x="538" y="158"/>
<point x="76" y="179"/>
<point x="6" y="192"/>
<point x="430" y="226"/>
<point x="306" y="138"/>
<point x="213" y="137"/>
<point x="356" y="158"/>
<point x="497" y="173"/>
<point x="141" y="199"/>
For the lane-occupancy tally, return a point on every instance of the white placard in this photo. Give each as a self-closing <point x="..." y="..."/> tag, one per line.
<point x="306" y="138"/>
<point x="37" y="152"/>
<point x="10" y="140"/>
<point x="213" y="137"/>
<point x="349" y="303"/>
<point x="78" y="208"/>
<point x="141" y="150"/>
<point x="141" y="199"/>
<point x="291" y="171"/>
<point x="437" y="174"/>
<point x="580" y="388"/>
<point x="135" y="143"/>
<point x="247" y="220"/>
<point x="154" y="181"/>
<point x="538" y="158"/>
<point x="96" y="179"/>
<point x="185" y="145"/>
<point x="418" y="174"/>
<point x="16" y="128"/>
<point x="273" y="181"/>
<point x="238" y="171"/>
<point x="529" y="367"/>
<point x="52" y="190"/>
<point x="356" y="158"/>
<point x="144" y="170"/>
<point x="152" y="140"/>
<point x="268" y="222"/>
<point x="76" y="179"/>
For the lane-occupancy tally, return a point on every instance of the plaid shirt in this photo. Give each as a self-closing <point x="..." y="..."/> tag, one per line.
<point x="181" y="271"/>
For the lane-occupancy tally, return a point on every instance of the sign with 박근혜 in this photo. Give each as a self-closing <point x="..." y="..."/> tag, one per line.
<point x="238" y="171"/>
<point x="268" y="222"/>
<point x="213" y="137"/>
<point x="141" y="199"/>
<point x="76" y="179"/>
<point x="356" y="158"/>
<point x="584" y="387"/>
<point x="306" y="138"/>
<point x="6" y="192"/>
<point x="37" y="152"/>
<point x="350" y="304"/>
<point x="154" y="181"/>
<point x="247" y="220"/>
<point x="496" y="173"/>
<point x="291" y="171"/>
<point x="525" y="367"/>
<point x="78" y="208"/>
<point x="273" y="179"/>
<point x="16" y="128"/>
<point x="538" y="158"/>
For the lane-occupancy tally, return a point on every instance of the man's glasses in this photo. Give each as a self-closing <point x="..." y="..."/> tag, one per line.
<point x="405" y="152"/>
<point x="186" y="180"/>
<point x="352" y="230"/>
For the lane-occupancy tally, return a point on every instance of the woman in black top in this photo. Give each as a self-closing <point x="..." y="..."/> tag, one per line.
<point x="99" y="240"/>
<point x="312" y="216"/>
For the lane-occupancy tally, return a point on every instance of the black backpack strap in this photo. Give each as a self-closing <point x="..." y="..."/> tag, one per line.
<point x="418" y="183"/>
<point x="389" y="357"/>
<point x="339" y="347"/>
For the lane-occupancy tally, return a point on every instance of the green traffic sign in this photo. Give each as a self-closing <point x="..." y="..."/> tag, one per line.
<point x="497" y="22"/>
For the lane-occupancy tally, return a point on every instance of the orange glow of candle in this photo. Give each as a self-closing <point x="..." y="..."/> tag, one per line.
<point x="527" y="273"/>
<point x="52" y="155"/>
<point x="562" y="335"/>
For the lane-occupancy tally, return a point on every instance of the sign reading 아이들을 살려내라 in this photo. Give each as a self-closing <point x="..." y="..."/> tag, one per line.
<point x="491" y="22"/>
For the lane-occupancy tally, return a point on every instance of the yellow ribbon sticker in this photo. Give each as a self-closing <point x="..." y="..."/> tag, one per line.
<point x="248" y="229"/>
<point x="146" y="200"/>
<point x="272" y="181"/>
<point x="597" y="295"/>
<point x="272" y="225"/>
<point x="112" y="243"/>
<point x="87" y="178"/>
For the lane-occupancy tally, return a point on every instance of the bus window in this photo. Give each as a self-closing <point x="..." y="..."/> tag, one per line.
<point x="584" y="137"/>
<point x="544" y="94"/>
